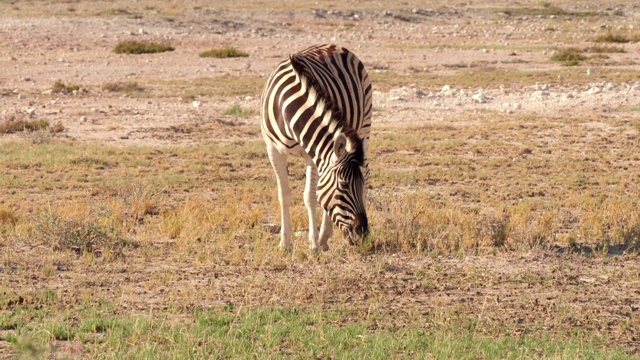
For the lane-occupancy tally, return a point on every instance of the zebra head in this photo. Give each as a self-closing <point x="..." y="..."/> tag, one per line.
<point x="341" y="187"/>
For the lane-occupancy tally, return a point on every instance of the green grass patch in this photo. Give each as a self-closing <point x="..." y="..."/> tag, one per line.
<point x="238" y="110"/>
<point x="141" y="47"/>
<point x="227" y="52"/>
<point x="569" y="56"/>
<point x="266" y="332"/>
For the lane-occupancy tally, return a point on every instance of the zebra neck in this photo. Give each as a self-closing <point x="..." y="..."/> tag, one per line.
<point x="318" y="141"/>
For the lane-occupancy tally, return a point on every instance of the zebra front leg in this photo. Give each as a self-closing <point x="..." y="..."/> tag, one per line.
<point x="279" y="164"/>
<point x="326" y="230"/>
<point x="311" y="202"/>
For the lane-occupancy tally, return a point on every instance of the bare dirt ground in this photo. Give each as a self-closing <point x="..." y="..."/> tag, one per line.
<point x="403" y="46"/>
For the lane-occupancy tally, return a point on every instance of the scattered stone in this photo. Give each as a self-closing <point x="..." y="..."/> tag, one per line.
<point x="445" y="89"/>
<point x="610" y="86"/>
<point x="594" y="90"/>
<point x="635" y="88"/>
<point x="539" y="94"/>
<point x="196" y="104"/>
<point x="589" y="72"/>
<point x="31" y="112"/>
<point x="83" y="119"/>
<point x="22" y="96"/>
<point x="479" y="98"/>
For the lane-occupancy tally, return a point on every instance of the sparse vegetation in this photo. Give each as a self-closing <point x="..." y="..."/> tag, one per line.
<point x="226" y="52"/>
<point x="617" y="37"/>
<point x="238" y="110"/>
<point x="141" y="47"/>
<point x="61" y="88"/>
<point x="547" y="9"/>
<point x="605" y="49"/>
<point x="122" y="86"/>
<point x="11" y="126"/>
<point x="569" y="56"/>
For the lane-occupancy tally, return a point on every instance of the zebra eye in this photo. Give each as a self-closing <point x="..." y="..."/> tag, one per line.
<point x="343" y="184"/>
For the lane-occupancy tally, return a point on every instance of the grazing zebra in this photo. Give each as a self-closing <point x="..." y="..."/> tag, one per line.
<point x="317" y="104"/>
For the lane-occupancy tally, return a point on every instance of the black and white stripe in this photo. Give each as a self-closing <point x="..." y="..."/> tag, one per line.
<point x="317" y="104"/>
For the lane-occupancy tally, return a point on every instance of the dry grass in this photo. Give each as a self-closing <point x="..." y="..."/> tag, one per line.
<point x="141" y="47"/>
<point x="122" y="86"/>
<point x="226" y="52"/>
<point x="569" y="56"/>
<point x="11" y="126"/>
<point x="61" y="88"/>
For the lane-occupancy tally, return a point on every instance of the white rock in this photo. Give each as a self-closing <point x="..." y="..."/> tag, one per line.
<point x="83" y="119"/>
<point x="594" y="90"/>
<point x="610" y="86"/>
<point x="446" y="89"/>
<point x="539" y="94"/>
<point x="635" y="87"/>
<point x="479" y="98"/>
<point x="31" y="112"/>
<point x="589" y="72"/>
<point x="196" y="104"/>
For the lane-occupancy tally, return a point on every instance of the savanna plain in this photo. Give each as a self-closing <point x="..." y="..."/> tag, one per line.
<point x="139" y="211"/>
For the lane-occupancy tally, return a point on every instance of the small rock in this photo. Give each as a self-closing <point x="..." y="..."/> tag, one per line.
<point x="635" y="87"/>
<point x="22" y="96"/>
<point x="539" y="94"/>
<point x="445" y="89"/>
<point x="594" y="90"/>
<point x="83" y="119"/>
<point x="196" y="104"/>
<point x="31" y="112"/>
<point x="479" y="98"/>
<point x="589" y="72"/>
<point x="610" y="86"/>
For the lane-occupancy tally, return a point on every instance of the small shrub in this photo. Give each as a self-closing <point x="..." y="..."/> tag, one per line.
<point x="141" y="47"/>
<point x="8" y="217"/>
<point x="569" y="56"/>
<point x="605" y="49"/>
<point x="227" y="52"/>
<point x="610" y="37"/>
<point x="61" y="88"/>
<point x="12" y="126"/>
<point x="127" y="86"/>
<point x="238" y="110"/>
<point x="71" y="234"/>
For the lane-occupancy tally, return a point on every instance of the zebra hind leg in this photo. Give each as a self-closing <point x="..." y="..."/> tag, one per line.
<point x="279" y="164"/>
<point x="311" y="202"/>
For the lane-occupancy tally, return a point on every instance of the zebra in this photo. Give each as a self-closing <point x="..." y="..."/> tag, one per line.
<point x="317" y="104"/>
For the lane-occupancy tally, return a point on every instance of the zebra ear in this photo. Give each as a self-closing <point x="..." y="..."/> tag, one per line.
<point x="340" y="146"/>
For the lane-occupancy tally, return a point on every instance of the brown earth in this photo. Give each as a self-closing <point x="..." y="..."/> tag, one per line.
<point x="403" y="46"/>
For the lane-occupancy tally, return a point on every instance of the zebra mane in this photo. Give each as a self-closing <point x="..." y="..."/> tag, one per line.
<point x="337" y="115"/>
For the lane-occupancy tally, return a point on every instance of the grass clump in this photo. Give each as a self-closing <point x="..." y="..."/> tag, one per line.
<point x="122" y="86"/>
<point x="227" y="52"/>
<point x="61" y="88"/>
<point x="13" y="126"/>
<point x="70" y="234"/>
<point x="238" y="110"/>
<point x="569" y="56"/>
<point x="141" y="47"/>
<point x="605" y="49"/>
<point x="618" y="38"/>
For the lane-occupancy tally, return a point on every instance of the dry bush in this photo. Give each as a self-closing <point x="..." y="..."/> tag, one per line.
<point x="227" y="52"/>
<point x="61" y="234"/>
<point x="61" y="88"/>
<point x="141" y="47"/>
<point x="126" y="86"/>
<point x="11" y="126"/>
